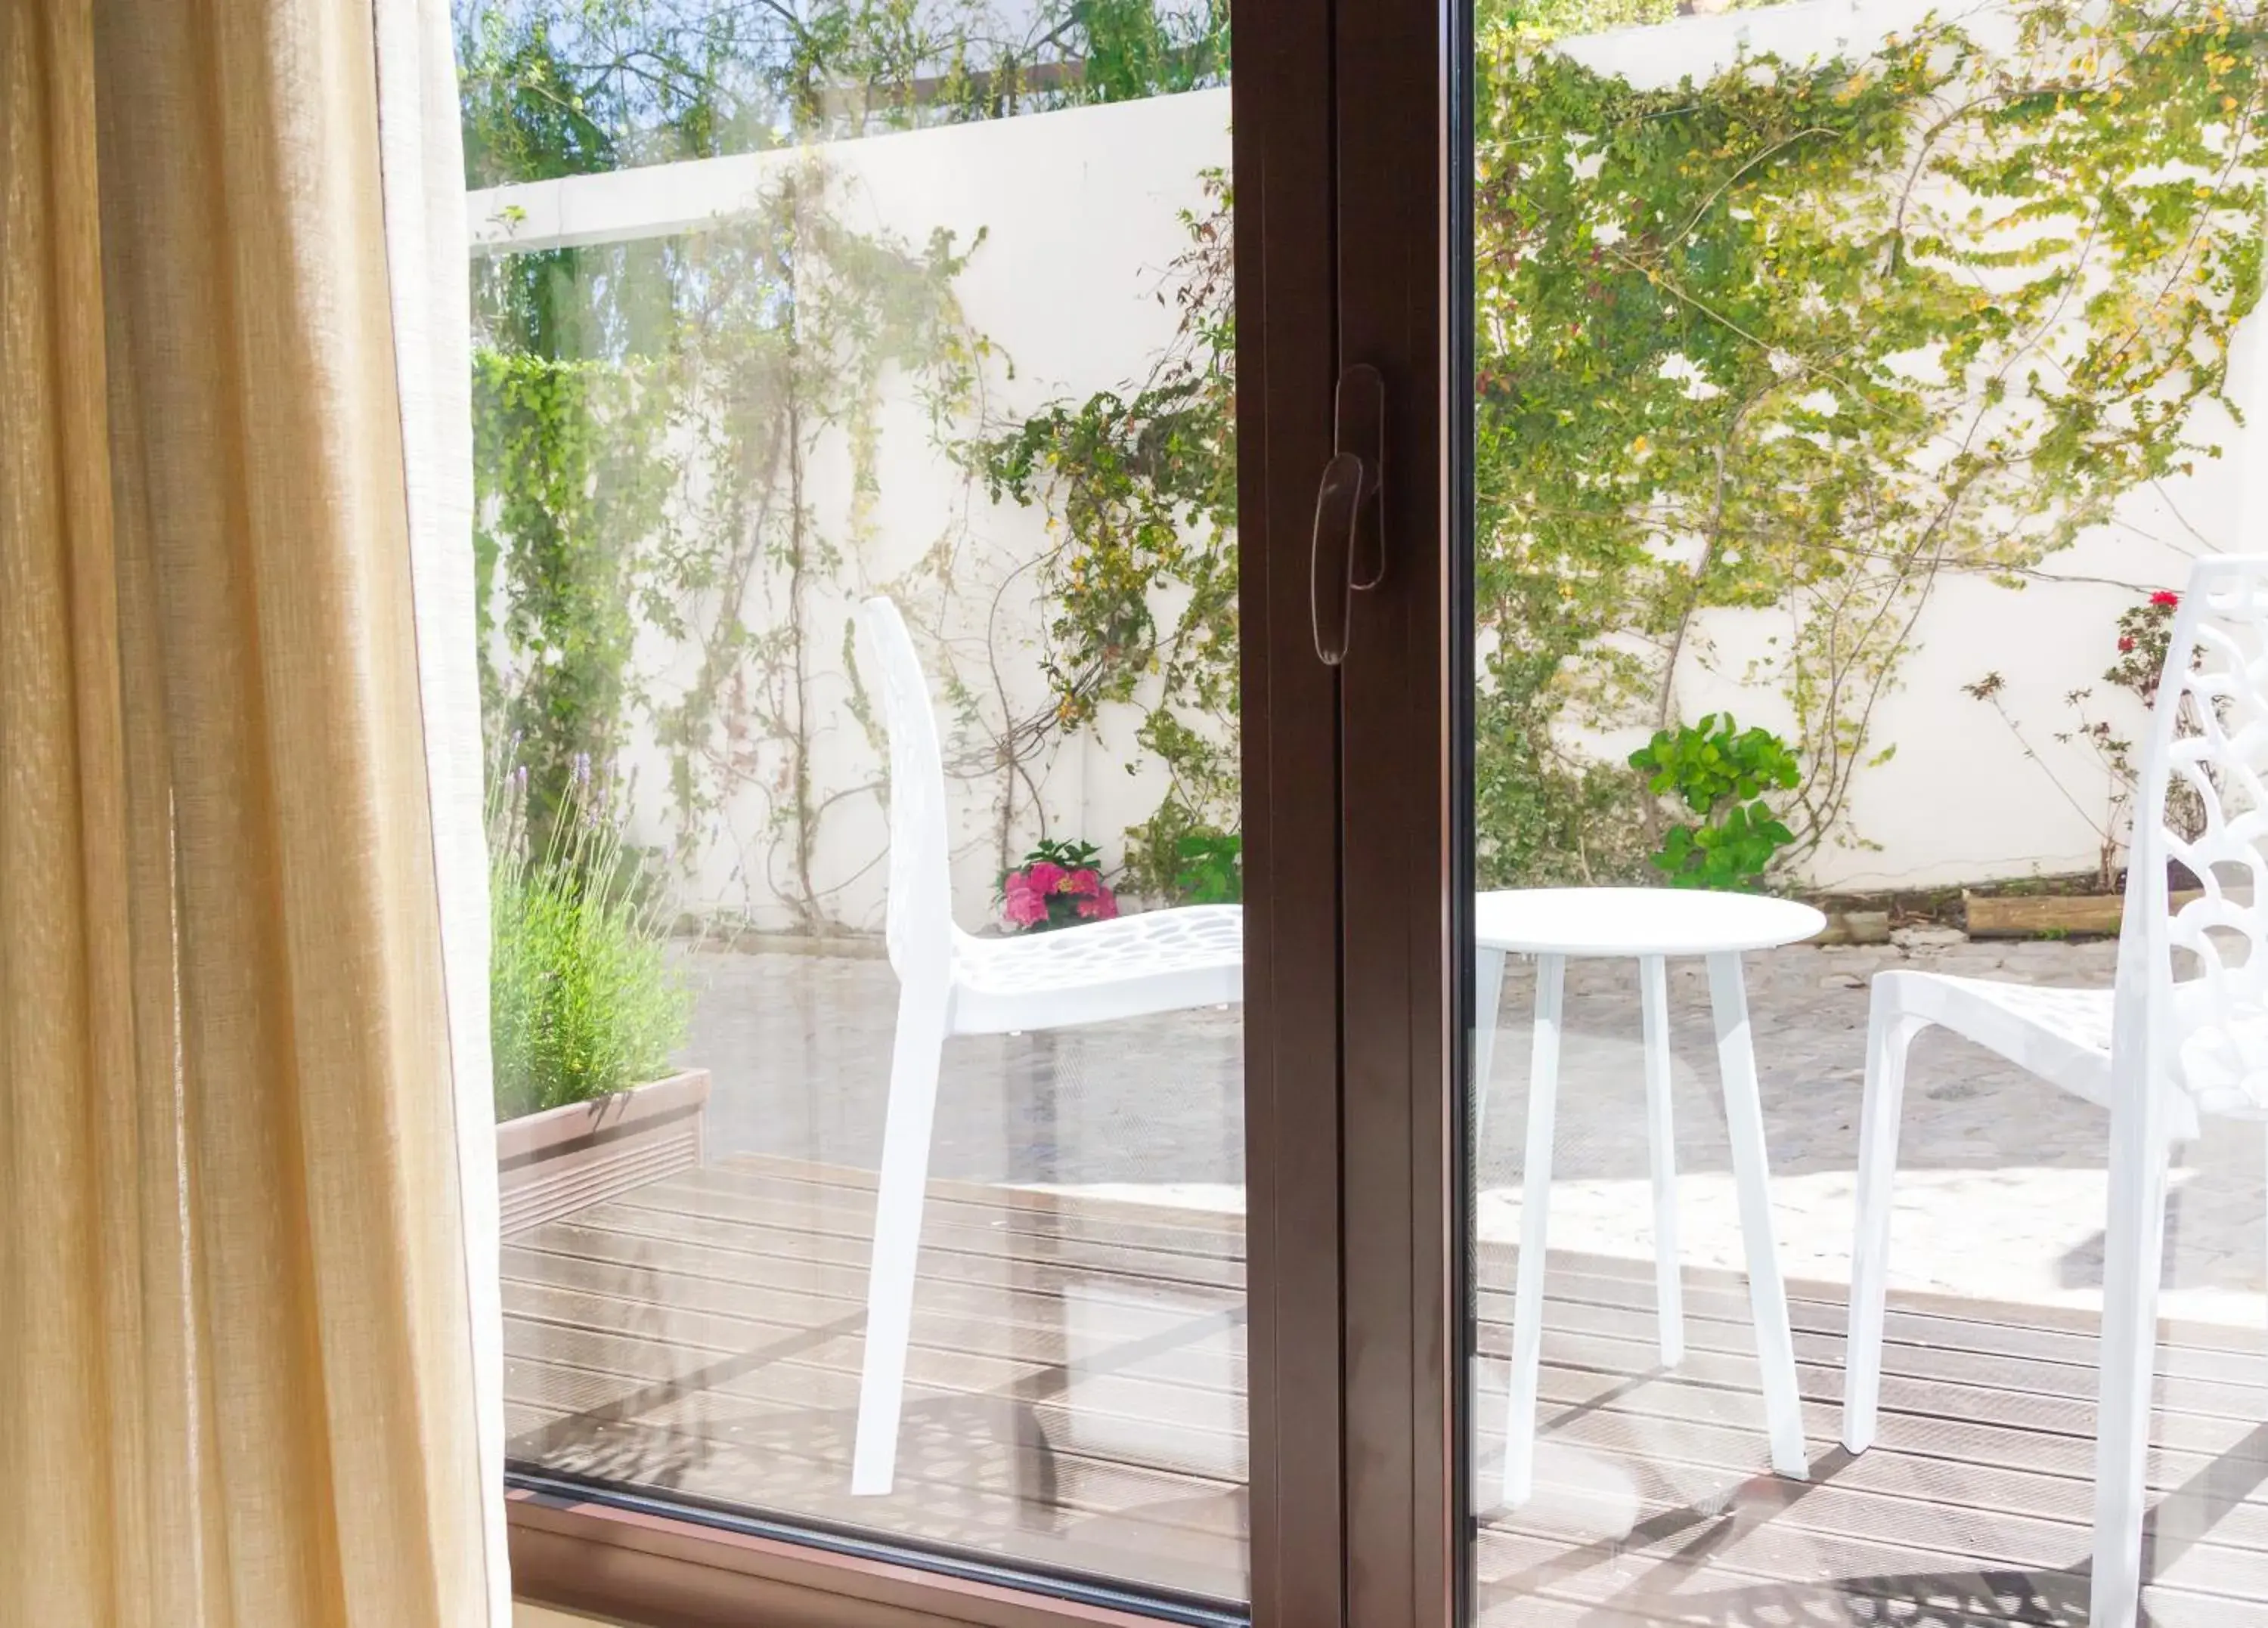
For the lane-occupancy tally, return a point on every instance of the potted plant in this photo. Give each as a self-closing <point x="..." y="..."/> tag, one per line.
<point x="587" y="1008"/>
<point x="1058" y="884"/>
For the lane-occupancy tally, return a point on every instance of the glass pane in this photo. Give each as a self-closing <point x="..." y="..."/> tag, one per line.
<point x="856" y="522"/>
<point x="1856" y="387"/>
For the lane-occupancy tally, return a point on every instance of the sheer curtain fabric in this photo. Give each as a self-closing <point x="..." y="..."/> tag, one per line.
<point x="246" y="1214"/>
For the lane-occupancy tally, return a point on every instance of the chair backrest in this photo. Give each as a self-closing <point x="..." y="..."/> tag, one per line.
<point x="920" y="911"/>
<point x="2193" y="983"/>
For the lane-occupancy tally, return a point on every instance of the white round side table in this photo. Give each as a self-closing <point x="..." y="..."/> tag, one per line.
<point x="1651" y="925"/>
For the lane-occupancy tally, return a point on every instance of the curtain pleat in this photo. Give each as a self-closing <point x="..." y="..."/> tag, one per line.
<point x="249" y="1350"/>
<point x="422" y="158"/>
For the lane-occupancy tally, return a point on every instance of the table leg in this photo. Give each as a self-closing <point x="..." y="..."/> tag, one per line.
<point x="1488" y="1001"/>
<point x="1661" y="1145"/>
<point x="1744" y="1124"/>
<point x="1535" y="1214"/>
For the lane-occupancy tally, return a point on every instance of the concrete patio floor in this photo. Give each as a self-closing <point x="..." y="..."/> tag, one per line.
<point x="2002" y="1177"/>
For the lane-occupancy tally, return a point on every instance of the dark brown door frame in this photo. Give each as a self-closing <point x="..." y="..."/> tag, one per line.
<point x="1404" y="692"/>
<point x="643" y="1562"/>
<point x="1286" y="366"/>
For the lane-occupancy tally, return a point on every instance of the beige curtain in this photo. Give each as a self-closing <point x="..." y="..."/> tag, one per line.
<point x="247" y="1352"/>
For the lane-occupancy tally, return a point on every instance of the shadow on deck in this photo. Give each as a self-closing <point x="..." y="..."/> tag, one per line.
<point x="1077" y="1400"/>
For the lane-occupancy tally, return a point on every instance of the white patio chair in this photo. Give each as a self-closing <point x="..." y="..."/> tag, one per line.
<point x="951" y="983"/>
<point x="2184" y="1033"/>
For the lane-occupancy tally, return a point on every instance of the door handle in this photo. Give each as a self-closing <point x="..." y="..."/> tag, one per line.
<point x="1347" y="552"/>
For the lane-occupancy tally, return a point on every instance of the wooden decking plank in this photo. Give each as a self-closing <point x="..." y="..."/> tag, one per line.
<point x="1203" y="1351"/>
<point x="816" y="1444"/>
<point x="730" y="1239"/>
<point x="1694" y="1452"/>
<point x="1006" y="1210"/>
<point x="720" y="1311"/>
<point x="1496" y="1261"/>
<point x="1712" y="1298"/>
<point x="1821" y="1356"/>
<point x="628" y="1376"/>
<point x="826" y="1363"/>
<point x="1113" y="1318"/>
<point x="1828" y="1509"/>
<point x="783" y="1218"/>
<point x="1592" y="1412"/>
<point x="1173" y="1219"/>
<point x="2238" y="1356"/>
<point x="1027" y="1291"/>
<point x="2181" y="1391"/>
<point x="1688" y="1549"/>
<point x="1822" y="1381"/>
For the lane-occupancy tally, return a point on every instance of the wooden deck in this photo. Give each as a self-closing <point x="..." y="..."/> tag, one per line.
<point x="1078" y="1401"/>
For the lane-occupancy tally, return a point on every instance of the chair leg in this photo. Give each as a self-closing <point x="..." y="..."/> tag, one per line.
<point x="1534" y="1216"/>
<point x="916" y="1056"/>
<point x="1744" y="1123"/>
<point x="2134" y="1246"/>
<point x="1662" y="1148"/>
<point x="1890" y="1033"/>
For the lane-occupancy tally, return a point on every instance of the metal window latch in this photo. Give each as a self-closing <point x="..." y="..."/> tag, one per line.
<point x="1349" y="551"/>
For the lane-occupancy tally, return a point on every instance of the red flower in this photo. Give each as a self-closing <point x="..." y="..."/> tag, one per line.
<point x="2165" y="595"/>
<point x="1022" y="903"/>
<point x="2125" y="645"/>
<point x="1045" y="878"/>
<point x="1082" y="881"/>
<point x="1101" y="907"/>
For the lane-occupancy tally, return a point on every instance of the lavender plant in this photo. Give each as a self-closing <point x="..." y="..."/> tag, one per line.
<point x="583" y="998"/>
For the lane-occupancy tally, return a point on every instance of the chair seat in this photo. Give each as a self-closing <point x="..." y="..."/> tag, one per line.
<point x="1158" y="961"/>
<point x="2061" y="1034"/>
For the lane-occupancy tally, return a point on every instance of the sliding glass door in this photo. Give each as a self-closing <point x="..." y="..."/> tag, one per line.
<point x="913" y="801"/>
<point x="1344" y="844"/>
<point x="1851" y="391"/>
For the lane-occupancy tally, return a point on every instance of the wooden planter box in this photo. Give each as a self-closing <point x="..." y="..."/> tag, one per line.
<point x="2029" y="915"/>
<point x="562" y="1160"/>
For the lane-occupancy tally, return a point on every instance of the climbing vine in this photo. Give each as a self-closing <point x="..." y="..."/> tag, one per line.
<point x="655" y="417"/>
<point x="1140" y="486"/>
<point x="792" y="322"/>
<point x="1799" y="339"/>
<point x="1804" y="338"/>
<point x="1808" y="339"/>
<point x="573" y="499"/>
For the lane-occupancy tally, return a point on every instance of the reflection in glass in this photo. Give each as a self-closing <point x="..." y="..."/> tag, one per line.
<point x="855" y="525"/>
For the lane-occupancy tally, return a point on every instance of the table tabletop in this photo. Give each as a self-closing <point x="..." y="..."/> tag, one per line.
<point x="1638" y="921"/>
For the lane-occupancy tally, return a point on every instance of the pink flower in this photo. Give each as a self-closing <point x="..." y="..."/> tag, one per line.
<point x="1101" y="907"/>
<point x="2125" y="645"/>
<point x="2165" y="595"/>
<point x="1045" y="878"/>
<point x="1022" y="903"/>
<point x="1082" y="882"/>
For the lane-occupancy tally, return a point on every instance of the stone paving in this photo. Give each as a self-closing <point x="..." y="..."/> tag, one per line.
<point x="2002" y="1177"/>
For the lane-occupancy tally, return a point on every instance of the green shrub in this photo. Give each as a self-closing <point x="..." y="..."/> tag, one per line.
<point x="1719" y="771"/>
<point x="584" y="1000"/>
<point x="1212" y="867"/>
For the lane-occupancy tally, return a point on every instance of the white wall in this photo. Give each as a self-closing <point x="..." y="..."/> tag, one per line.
<point x="1960" y="801"/>
<point x="1082" y="212"/>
